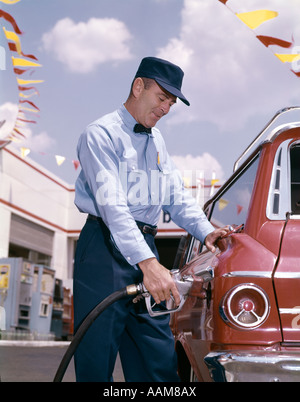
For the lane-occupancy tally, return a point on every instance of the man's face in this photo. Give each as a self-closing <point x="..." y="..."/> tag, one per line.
<point x="153" y="103"/>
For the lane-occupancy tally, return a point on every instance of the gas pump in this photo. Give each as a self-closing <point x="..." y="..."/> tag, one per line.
<point x="4" y="283"/>
<point x="42" y="299"/>
<point x="26" y="296"/>
<point x="16" y="278"/>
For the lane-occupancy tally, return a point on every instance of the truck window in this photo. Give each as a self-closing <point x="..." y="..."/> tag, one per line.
<point x="295" y="179"/>
<point x="231" y="207"/>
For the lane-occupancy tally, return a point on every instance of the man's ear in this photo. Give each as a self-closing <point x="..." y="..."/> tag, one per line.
<point x="137" y="87"/>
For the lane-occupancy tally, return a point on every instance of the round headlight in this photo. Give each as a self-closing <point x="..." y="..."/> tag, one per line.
<point x="245" y="306"/>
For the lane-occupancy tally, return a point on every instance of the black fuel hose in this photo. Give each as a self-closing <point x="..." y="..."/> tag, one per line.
<point x="130" y="290"/>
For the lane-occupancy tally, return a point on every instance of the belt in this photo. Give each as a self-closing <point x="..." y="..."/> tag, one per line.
<point x="144" y="228"/>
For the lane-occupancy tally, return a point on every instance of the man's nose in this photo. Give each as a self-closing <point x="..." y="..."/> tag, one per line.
<point x="165" y="108"/>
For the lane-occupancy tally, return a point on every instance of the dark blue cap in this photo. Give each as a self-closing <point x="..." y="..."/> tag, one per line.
<point x="166" y="74"/>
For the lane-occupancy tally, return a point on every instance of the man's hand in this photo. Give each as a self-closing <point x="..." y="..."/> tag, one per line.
<point x="212" y="237"/>
<point x="158" y="281"/>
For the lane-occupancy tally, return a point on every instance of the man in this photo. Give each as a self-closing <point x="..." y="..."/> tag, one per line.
<point x="127" y="178"/>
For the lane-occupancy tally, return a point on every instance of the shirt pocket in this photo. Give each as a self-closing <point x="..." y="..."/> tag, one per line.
<point x="129" y="161"/>
<point x="161" y="160"/>
<point x="163" y="167"/>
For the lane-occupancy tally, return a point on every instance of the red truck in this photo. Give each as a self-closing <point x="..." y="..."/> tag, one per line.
<point x="247" y="327"/>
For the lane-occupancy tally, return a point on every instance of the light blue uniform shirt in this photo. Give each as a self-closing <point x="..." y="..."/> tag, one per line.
<point x="127" y="177"/>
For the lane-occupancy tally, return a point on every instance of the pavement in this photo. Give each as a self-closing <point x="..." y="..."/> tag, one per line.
<point x="38" y="361"/>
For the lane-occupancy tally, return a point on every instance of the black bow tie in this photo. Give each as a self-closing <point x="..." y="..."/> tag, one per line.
<point x="139" y="128"/>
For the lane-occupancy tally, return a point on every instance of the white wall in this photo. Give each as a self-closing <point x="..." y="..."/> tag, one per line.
<point x="28" y="190"/>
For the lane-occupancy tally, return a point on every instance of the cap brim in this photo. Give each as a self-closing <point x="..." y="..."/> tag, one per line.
<point x="174" y="91"/>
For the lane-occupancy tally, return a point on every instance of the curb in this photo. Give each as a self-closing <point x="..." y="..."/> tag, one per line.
<point x="40" y="344"/>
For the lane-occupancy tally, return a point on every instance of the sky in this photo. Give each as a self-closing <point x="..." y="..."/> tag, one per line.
<point x="90" y="50"/>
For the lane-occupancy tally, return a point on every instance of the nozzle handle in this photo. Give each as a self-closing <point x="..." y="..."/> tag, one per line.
<point x="183" y="285"/>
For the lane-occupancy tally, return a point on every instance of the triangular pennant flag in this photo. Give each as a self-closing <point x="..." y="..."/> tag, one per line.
<point x="24" y="152"/>
<point x="29" y="102"/>
<point x="254" y="19"/>
<point x="18" y="132"/>
<point x="287" y="58"/>
<point x="21" y="95"/>
<point x="11" y="20"/>
<point x="214" y="181"/>
<point x="26" y="88"/>
<point x="19" y="71"/>
<point x="10" y="1"/>
<point x="222" y="204"/>
<point x="14" y="37"/>
<point x="76" y="164"/>
<point x="13" y="48"/>
<point x="14" y="138"/>
<point x="28" y="109"/>
<point x="239" y="209"/>
<point x="25" y="82"/>
<point x="269" y="40"/>
<point x="59" y="159"/>
<point x="25" y="120"/>
<point x="17" y="62"/>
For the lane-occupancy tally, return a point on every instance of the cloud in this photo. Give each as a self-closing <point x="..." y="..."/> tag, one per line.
<point x="192" y="165"/>
<point x="36" y="142"/>
<point x="82" y="46"/>
<point x="229" y="75"/>
<point x="8" y="112"/>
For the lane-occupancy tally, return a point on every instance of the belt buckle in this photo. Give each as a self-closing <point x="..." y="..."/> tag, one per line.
<point x="147" y="229"/>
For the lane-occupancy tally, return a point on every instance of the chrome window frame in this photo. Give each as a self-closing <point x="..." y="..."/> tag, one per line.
<point x="284" y="190"/>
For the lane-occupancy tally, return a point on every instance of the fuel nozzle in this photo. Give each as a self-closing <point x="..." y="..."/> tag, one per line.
<point x="183" y="284"/>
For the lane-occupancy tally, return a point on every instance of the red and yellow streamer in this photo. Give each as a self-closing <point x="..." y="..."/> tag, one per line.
<point x="21" y="65"/>
<point x="254" y="19"/>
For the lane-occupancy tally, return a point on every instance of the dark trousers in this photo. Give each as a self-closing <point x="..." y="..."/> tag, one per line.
<point x="145" y="344"/>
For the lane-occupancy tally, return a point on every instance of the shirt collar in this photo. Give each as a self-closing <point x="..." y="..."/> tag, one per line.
<point x="129" y="120"/>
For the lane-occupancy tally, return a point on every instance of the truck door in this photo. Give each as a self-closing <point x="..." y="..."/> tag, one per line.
<point x="287" y="274"/>
<point x="287" y="282"/>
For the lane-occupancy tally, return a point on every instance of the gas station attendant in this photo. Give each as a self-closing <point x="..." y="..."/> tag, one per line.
<point x="127" y="177"/>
